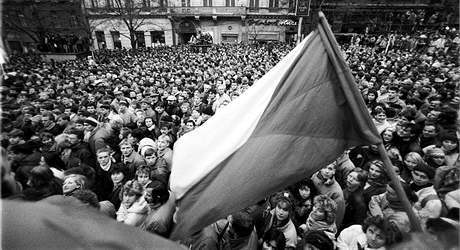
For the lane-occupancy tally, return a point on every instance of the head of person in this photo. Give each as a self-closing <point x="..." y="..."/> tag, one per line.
<point x="103" y="156"/>
<point x="40" y="177"/>
<point x="126" y="147"/>
<point x="143" y="175"/>
<point x="119" y="174"/>
<point x="274" y="239"/>
<point x="393" y="92"/>
<point x="72" y="183"/>
<point x="387" y="135"/>
<point x="406" y="130"/>
<point x="380" y="232"/>
<point x="379" y="114"/>
<point x="132" y="192"/>
<point x="316" y="240"/>
<point x="412" y="159"/>
<point x="283" y="207"/>
<point x="306" y="189"/>
<point x="74" y="136"/>
<point x="324" y="209"/>
<point x="377" y="172"/>
<point x="15" y="136"/>
<point x="148" y="121"/>
<point x="449" y="141"/>
<point x="189" y="125"/>
<point x="163" y="142"/>
<point x="356" y="179"/>
<point x="87" y="197"/>
<point x="435" y="157"/>
<point x="156" y="193"/>
<point x="90" y="124"/>
<point x="430" y="130"/>
<point x="422" y="174"/>
<point x="241" y="224"/>
<point x="327" y="174"/>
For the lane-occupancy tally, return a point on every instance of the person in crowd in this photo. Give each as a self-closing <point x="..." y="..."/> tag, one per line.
<point x="119" y="175"/>
<point x="129" y="157"/>
<point x="355" y="206"/>
<point x="389" y="206"/>
<point x="103" y="182"/>
<point x="133" y="209"/>
<point x="41" y="184"/>
<point x="322" y="217"/>
<point x="143" y="175"/>
<point x="326" y="184"/>
<point x="164" y="151"/>
<point x="303" y="194"/>
<point x="411" y="160"/>
<point x="280" y="218"/>
<point x="375" y="232"/>
<point x="377" y="180"/>
<point x="72" y="183"/>
<point x="273" y="240"/>
<point x="162" y="205"/>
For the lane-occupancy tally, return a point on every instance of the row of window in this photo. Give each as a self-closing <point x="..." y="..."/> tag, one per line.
<point x="186" y="3"/>
<point x="155" y="37"/>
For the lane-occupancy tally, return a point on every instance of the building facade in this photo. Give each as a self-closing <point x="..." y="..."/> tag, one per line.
<point x="176" y="21"/>
<point x="56" y="26"/>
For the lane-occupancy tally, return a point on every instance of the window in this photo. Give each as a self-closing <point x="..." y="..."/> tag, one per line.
<point x="163" y="3"/>
<point x="229" y="38"/>
<point x="273" y="4"/>
<point x="140" y="39"/>
<point x="146" y="3"/>
<point x="230" y="3"/>
<point x="22" y="19"/>
<point x="73" y="21"/>
<point x="254" y="3"/>
<point x="157" y="37"/>
<point x="94" y="4"/>
<point x="185" y="3"/>
<point x="100" y="39"/>
<point x="110" y="4"/>
<point x="116" y="39"/>
<point x="207" y="3"/>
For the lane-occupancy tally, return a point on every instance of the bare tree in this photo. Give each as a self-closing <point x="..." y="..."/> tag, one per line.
<point x="130" y="13"/>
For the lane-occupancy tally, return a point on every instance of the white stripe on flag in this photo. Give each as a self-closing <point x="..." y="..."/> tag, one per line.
<point x="197" y="153"/>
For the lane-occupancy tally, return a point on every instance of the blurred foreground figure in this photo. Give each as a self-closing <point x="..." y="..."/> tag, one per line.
<point x="65" y="226"/>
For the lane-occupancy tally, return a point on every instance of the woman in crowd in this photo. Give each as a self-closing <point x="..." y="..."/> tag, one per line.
<point x="376" y="180"/>
<point x="279" y="218"/>
<point x="118" y="175"/>
<point x="133" y="209"/>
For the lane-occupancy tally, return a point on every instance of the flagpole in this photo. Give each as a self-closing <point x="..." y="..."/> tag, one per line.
<point x="334" y="54"/>
<point x="415" y="223"/>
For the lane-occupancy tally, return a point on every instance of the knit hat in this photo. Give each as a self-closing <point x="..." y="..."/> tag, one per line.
<point x="91" y="121"/>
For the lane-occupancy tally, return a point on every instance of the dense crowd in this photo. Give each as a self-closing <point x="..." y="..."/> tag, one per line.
<point x="102" y="130"/>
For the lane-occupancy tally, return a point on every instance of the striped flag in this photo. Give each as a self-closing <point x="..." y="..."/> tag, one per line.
<point x="296" y="119"/>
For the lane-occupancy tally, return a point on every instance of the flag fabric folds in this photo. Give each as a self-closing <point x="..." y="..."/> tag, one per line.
<point x="296" y="119"/>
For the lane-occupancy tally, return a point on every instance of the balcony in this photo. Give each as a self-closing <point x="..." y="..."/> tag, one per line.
<point x="208" y="11"/>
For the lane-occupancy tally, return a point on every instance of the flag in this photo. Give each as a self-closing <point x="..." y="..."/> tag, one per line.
<point x="296" y="119"/>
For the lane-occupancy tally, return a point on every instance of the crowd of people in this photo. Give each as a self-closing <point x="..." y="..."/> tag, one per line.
<point x="102" y="131"/>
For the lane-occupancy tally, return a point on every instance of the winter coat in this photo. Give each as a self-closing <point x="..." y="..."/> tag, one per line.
<point x="135" y="214"/>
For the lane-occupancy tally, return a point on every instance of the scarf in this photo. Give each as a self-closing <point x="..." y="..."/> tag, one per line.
<point x="416" y="188"/>
<point x="316" y="223"/>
